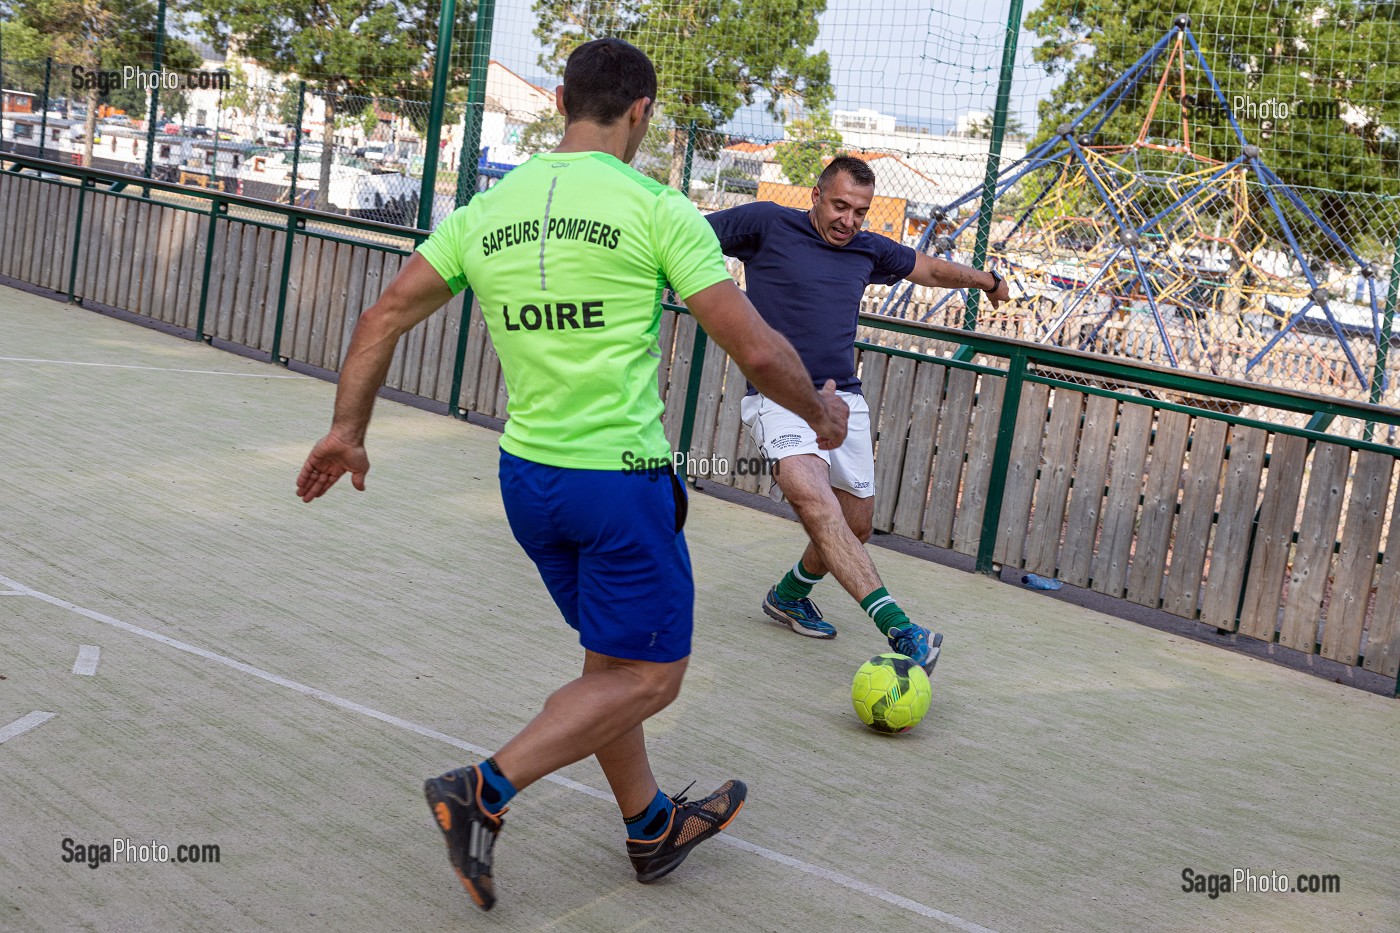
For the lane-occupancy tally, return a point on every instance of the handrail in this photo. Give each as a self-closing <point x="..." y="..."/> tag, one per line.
<point x="97" y="175"/>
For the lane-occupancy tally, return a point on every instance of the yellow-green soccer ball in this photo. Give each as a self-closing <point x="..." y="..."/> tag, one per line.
<point x="891" y="693"/>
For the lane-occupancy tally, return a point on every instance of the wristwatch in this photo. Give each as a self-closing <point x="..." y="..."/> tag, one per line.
<point x="996" y="282"/>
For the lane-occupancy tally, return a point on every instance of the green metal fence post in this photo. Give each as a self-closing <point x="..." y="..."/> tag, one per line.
<point x="989" y="182"/>
<point x="467" y="173"/>
<point x="83" y="186"/>
<point x="692" y="395"/>
<point x="1387" y="327"/>
<point x="467" y="170"/>
<point x="44" y="108"/>
<point x="216" y="207"/>
<point x="689" y="159"/>
<point x="157" y="66"/>
<point x="296" y="142"/>
<point x="1001" y="462"/>
<point x="294" y="224"/>
<point x="2" y="95"/>
<point x="441" y="61"/>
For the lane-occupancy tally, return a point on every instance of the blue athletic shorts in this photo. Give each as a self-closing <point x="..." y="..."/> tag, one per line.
<point x="611" y="551"/>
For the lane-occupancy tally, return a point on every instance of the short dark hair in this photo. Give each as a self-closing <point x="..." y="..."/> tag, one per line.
<point x="858" y="169"/>
<point x="602" y="78"/>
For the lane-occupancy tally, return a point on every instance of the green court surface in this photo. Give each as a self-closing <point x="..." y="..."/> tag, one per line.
<point x="277" y="679"/>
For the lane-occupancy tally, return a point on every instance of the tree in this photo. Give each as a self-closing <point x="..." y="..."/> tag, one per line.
<point x="712" y="56"/>
<point x="348" y="53"/>
<point x="542" y="135"/>
<point x="811" y="142"/>
<point x="1322" y="54"/>
<point x="981" y="127"/>
<point x="653" y="156"/>
<point x="97" y="35"/>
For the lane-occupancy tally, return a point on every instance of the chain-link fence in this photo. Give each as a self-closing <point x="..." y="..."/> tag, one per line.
<point x="1206" y="187"/>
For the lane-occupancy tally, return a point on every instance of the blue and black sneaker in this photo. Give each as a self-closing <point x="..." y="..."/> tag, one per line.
<point x="469" y="829"/>
<point x="912" y="641"/>
<point x="800" y="615"/>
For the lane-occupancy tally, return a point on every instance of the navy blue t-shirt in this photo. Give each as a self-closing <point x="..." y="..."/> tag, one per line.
<point x="806" y="289"/>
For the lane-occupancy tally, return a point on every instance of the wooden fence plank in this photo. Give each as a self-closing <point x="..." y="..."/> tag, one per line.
<point x="702" y="439"/>
<point x="223" y="281"/>
<point x="1273" y="542"/>
<point x="954" y="419"/>
<point x="1239" y="502"/>
<point x="1317" y="536"/>
<point x="1052" y="492"/>
<point x="1154" y="536"/>
<point x="1087" y="490"/>
<point x="150" y="239"/>
<point x="872" y="382"/>
<point x="333" y="268"/>
<point x="1014" y="526"/>
<point x="297" y="333"/>
<point x="679" y="377"/>
<point x="731" y="439"/>
<point x="1382" y="648"/>
<point x="1110" y="574"/>
<point x="1356" y="566"/>
<point x="891" y="436"/>
<point x="1200" y="490"/>
<point x="912" y="487"/>
<point x="972" y="504"/>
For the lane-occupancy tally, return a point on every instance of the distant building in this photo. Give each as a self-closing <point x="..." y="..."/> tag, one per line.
<point x="749" y="158"/>
<point x="17" y="101"/>
<point x="862" y="121"/>
<point x="973" y="122"/>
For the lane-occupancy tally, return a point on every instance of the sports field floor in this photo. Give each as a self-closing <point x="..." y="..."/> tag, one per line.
<point x="277" y="679"/>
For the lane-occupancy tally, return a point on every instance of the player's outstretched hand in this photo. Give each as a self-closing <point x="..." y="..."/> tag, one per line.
<point x="1002" y="293"/>
<point x="831" y="426"/>
<point x="328" y="461"/>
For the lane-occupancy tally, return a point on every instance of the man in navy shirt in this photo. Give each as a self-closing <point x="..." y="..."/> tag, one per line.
<point x="806" y="272"/>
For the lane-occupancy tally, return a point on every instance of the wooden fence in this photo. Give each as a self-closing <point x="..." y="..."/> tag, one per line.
<point x="1275" y="532"/>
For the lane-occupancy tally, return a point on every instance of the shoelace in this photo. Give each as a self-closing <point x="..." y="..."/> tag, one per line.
<point x="680" y="799"/>
<point x="809" y="607"/>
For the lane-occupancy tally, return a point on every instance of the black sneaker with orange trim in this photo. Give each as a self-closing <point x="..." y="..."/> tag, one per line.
<point x="470" y="830"/>
<point x="691" y="824"/>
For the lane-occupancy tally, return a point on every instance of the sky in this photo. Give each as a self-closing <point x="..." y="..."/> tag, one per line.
<point x="925" y="61"/>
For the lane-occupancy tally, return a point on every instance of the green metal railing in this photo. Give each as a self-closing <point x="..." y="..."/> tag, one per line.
<point x="1024" y="362"/>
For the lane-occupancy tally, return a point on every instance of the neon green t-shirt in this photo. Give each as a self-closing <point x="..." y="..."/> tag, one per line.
<point x="568" y="256"/>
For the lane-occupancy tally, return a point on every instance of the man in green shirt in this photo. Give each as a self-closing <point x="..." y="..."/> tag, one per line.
<point x="568" y="256"/>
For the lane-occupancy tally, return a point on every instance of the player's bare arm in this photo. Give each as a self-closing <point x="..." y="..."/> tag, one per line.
<point x="416" y="292"/>
<point x="930" y="270"/>
<point x="768" y="360"/>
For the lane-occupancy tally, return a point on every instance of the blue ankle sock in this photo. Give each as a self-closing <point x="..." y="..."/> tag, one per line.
<point x="651" y="822"/>
<point x="496" y="790"/>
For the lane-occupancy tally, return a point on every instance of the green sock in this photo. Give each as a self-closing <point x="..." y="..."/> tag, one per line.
<point x="797" y="583"/>
<point x="881" y="607"/>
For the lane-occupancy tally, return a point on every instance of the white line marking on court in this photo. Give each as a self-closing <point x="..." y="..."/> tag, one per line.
<point x="818" y="871"/>
<point x="159" y="369"/>
<point x="12" y="593"/>
<point x="88" y="656"/>
<point x="24" y="724"/>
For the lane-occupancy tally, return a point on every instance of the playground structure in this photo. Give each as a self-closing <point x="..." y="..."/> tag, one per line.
<point x="1151" y="249"/>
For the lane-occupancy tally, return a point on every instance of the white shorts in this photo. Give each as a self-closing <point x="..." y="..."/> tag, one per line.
<point x="779" y="433"/>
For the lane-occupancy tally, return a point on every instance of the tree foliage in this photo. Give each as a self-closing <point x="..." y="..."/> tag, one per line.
<point x="811" y="141"/>
<point x="712" y="56"/>
<point x="347" y="51"/>
<point x="96" y="35"/>
<point x="1334" y="57"/>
